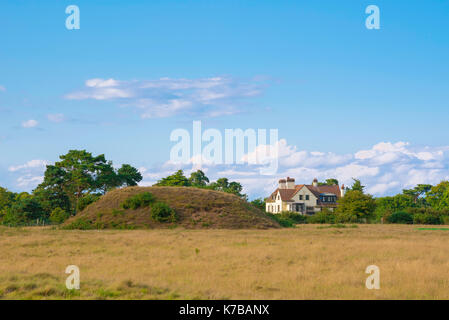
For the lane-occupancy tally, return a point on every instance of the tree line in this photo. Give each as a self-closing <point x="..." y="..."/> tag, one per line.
<point x="68" y="187"/>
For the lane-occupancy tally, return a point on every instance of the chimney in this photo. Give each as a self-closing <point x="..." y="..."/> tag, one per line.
<point x="343" y="190"/>
<point x="282" y="184"/>
<point x="315" y="182"/>
<point x="290" y="183"/>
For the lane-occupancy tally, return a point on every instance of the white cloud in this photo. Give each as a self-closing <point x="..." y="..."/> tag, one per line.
<point x="29" y="182"/>
<point x="166" y="97"/>
<point x="384" y="169"/>
<point x="2" y="88"/>
<point x="30" y="123"/>
<point x="57" y="117"/>
<point x="32" y="164"/>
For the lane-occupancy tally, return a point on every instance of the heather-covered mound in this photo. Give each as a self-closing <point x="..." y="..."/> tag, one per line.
<point x="191" y="208"/>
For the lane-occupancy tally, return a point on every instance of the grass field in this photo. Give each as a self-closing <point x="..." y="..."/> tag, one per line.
<point x="307" y="262"/>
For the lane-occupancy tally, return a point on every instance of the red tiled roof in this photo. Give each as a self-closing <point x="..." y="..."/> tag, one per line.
<point x="287" y="194"/>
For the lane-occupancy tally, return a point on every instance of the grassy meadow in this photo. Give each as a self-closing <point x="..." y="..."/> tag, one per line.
<point x="306" y="262"/>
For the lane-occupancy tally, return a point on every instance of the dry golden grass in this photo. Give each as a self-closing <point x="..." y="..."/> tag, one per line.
<point x="308" y="262"/>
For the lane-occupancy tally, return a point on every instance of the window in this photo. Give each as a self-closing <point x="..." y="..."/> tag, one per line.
<point x="307" y="197"/>
<point x="301" y="197"/>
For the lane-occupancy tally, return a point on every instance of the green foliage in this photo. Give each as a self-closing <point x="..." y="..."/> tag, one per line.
<point x="329" y="182"/>
<point x="416" y="193"/>
<point x="438" y="196"/>
<point x="24" y="212"/>
<point x="80" y="224"/>
<point x="386" y="205"/>
<point x="346" y="217"/>
<point x="224" y="185"/>
<point x="356" y="203"/>
<point x="58" y="216"/>
<point x="7" y="198"/>
<point x="80" y="173"/>
<point x="325" y="216"/>
<point x="161" y="212"/>
<point x="259" y="203"/>
<point x="421" y="218"/>
<point x="87" y="200"/>
<point x="294" y="217"/>
<point x="138" y="201"/>
<point x="283" y="222"/>
<point x="357" y="186"/>
<point x="177" y="179"/>
<point x="198" y="179"/>
<point x="129" y="176"/>
<point x="401" y="217"/>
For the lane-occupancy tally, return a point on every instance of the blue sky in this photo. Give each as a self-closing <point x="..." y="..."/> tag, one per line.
<point x="308" y="68"/>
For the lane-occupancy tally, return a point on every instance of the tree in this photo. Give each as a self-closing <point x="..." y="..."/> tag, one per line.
<point x="176" y="179"/>
<point x="6" y="198"/>
<point x="438" y="196"/>
<point x="76" y="174"/>
<point x="24" y="211"/>
<point x="329" y="182"/>
<point x="129" y="176"/>
<point x="396" y="203"/>
<point x="355" y="202"/>
<point x="357" y="186"/>
<point x="224" y="185"/>
<point x="198" y="179"/>
<point x="106" y="178"/>
<point x="418" y="191"/>
<point x="259" y="203"/>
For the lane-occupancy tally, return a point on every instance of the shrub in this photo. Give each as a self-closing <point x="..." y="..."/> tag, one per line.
<point x="421" y="218"/>
<point x="161" y="212"/>
<point x="324" y="216"/>
<point x="283" y="221"/>
<point x="401" y="217"/>
<point x="346" y="217"/>
<point x="24" y="212"/>
<point x="296" y="218"/>
<point x="80" y="224"/>
<point x="59" y="216"/>
<point x="445" y="219"/>
<point x="138" y="201"/>
<point x="87" y="200"/>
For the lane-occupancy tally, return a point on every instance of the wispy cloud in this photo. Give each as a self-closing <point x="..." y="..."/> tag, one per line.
<point x="30" y="123"/>
<point x="57" y="118"/>
<point x="32" y="164"/>
<point x="2" y="88"/>
<point x="166" y="97"/>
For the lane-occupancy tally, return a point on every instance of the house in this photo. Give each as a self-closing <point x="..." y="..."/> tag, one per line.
<point x="302" y="198"/>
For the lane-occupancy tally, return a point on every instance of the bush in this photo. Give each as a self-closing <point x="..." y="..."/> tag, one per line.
<point x="59" y="216"/>
<point x="80" y="224"/>
<point x="138" y="201"/>
<point x="445" y="219"/>
<point x="401" y="217"/>
<point x="283" y="221"/>
<point x="296" y="218"/>
<point x="346" y="217"/>
<point x="421" y="218"/>
<point x="161" y="212"/>
<point x="24" y="212"/>
<point x="87" y="200"/>
<point x="325" y="216"/>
